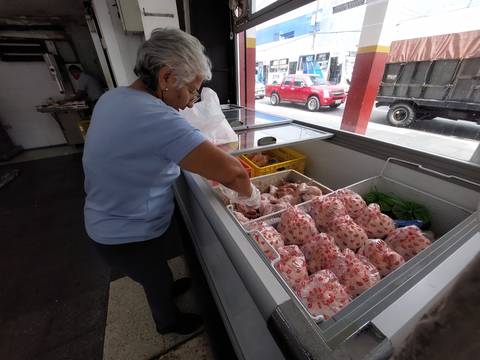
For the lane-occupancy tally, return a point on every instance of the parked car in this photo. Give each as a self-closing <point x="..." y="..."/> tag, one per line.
<point x="311" y="90"/>
<point x="259" y="90"/>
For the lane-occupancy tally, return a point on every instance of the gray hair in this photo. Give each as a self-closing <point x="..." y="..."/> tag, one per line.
<point x="174" y="48"/>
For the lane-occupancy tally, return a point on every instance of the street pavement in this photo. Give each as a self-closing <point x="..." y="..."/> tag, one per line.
<point x="454" y="139"/>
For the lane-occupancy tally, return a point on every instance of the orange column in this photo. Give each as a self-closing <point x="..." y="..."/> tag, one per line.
<point x="250" y="69"/>
<point x="372" y="53"/>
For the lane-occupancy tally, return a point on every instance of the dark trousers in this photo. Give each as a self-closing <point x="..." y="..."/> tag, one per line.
<point x="145" y="262"/>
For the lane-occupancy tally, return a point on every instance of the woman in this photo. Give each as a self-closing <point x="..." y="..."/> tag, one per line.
<point x="136" y="144"/>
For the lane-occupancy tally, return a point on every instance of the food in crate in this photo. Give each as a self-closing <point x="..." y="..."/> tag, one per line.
<point x="376" y="224"/>
<point x="268" y="234"/>
<point x="292" y="265"/>
<point x="347" y="233"/>
<point x="381" y="256"/>
<point x="261" y="159"/>
<point x="277" y="198"/>
<point x="296" y="226"/>
<point x="322" y="294"/>
<point x="320" y="252"/>
<point x="355" y="272"/>
<point x="408" y="241"/>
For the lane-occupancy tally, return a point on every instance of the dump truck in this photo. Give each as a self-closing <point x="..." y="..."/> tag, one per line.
<point x="428" y="77"/>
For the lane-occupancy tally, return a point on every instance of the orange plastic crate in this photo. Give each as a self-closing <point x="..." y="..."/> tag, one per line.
<point x="246" y="166"/>
<point x="287" y="159"/>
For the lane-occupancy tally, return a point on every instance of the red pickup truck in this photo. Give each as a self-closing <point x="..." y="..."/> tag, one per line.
<point x="310" y="90"/>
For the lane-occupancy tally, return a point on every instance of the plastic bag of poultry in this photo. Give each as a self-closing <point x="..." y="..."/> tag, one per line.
<point x="207" y="116"/>
<point x="351" y="200"/>
<point x="296" y="226"/>
<point x="320" y="252"/>
<point x="381" y="256"/>
<point x="324" y="209"/>
<point x="292" y="265"/>
<point x="408" y="241"/>
<point x="322" y="294"/>
<point x="376" y="224"/>
<point x="355" y="272"/>
<point x="308" y="192"/>
<point x="268" y="234"/>
<point x="347" y="233"/>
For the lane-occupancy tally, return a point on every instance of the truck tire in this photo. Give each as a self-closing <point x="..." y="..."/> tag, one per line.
<point x="274" y="99"/>
<point x="401" y="115"/>
<point x="313" y="104"/>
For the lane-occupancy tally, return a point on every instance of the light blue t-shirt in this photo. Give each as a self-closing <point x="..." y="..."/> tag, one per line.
<point x="133" y="146"/>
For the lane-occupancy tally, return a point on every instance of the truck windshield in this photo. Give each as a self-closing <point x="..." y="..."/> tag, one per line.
<point x="316" y="80"/>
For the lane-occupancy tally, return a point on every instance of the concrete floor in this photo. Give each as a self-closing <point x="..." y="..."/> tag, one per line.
<point x="130" y="331"/>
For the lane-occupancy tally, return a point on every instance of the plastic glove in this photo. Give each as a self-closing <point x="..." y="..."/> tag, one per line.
<point x="252" y="202"/>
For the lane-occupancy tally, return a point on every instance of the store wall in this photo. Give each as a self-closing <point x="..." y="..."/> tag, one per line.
<point x="121" y="47"/>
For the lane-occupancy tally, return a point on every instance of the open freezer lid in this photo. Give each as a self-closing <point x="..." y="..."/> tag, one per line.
<point x="263" y="138"/>
<point x="242" y="118"/>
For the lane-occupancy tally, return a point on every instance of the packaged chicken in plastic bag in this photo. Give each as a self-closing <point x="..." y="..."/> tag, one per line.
<point x="352" y="201"/>
<point x="207" y="116"/>
<point x="268" y="234"/>
<point x="376" y="224"/>
<point x="322" y="294"/>
<point x="292" y="265"/>
<point x="324" y="209"/>
<point x="408" y="241"/>
<point x="381" y="256"/>
<point x="320" y="252"/>
<point x="355" y="272"/>
<point x="347" y="233"/>
<point x="296" y="226"/>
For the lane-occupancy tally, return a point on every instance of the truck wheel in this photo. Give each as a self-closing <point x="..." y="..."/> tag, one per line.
<point x="401" y="115"/>
<point x="274" y="99"/>
<point x="312" y="103"/>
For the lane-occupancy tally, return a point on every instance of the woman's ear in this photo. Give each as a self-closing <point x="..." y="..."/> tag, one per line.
<point x="165" y="77"/>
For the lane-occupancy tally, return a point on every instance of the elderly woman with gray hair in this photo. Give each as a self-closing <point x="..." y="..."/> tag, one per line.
<point x="136" y="145"/>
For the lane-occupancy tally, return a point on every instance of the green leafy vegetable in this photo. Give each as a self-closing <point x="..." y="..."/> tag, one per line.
<point x="400" y="209"/>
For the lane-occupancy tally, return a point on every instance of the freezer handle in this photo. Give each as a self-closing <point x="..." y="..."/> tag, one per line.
<point x="392" y="159"/>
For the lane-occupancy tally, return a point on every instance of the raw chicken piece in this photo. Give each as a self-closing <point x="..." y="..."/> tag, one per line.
<point x="355" y="272"/>
<point x="286" y="189"/>
<point x="240" y="217"/>
<point x="292" y="265"/>
<point x="272" y="190"/>
<point x="308" y="192"/>
<point x="248" y="212"/>
<point x="322" y="294"/>
<point x="291" y="199"/>
<point x="324" y="209"/>
<point x="268" y="234"/>
<point x="408" y="241"/>
<point x="260" y="159"/>
<point x="296" y="226"/>
<point x="351" y="200"/>
<point x="381" y="256"/>
<point x="376" y="224"/>
<point x="321" y="252"/>
<point x="347" y="233"/>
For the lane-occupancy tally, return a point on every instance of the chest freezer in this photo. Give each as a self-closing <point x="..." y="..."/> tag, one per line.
<point x="264" y="318"/>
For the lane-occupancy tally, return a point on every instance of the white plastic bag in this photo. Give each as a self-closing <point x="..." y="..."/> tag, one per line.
<point x="207" y="116"/>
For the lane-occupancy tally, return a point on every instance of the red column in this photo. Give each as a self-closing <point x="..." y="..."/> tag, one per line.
<point x="374" y="45"/>
<point x="366" y="77"/>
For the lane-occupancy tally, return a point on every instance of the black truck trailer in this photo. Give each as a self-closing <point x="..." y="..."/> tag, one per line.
<point x="432" y="76"/>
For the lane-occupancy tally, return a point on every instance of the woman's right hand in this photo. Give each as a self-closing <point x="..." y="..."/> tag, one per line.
<point x="214" y="164"/>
